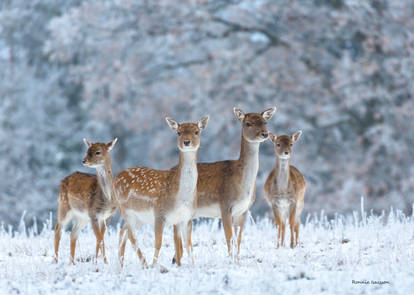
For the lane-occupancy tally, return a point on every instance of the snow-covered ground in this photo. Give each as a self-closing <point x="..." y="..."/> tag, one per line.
<point x="331" y="255"/>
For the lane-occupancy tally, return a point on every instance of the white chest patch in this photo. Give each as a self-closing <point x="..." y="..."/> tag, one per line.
<point x="188" y="184"/>
<point x="247" y="187"/>
<point x="184" y="208"/>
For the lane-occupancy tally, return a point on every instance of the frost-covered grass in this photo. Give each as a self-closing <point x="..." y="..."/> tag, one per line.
<point x="331" y="255"/>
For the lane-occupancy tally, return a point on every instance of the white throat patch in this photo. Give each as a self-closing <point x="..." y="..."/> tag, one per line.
<point x="104" y="182"/>
<point x="248" y="178"/>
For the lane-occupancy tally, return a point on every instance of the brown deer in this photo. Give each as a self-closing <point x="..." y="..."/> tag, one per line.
<point x="161" y="197"/>
<point x="226" y="189"/>
<point x="285" y="189"/>
<point x="84" y="197"/>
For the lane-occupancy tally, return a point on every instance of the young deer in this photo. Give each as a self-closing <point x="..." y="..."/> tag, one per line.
<point x="285" y="189"/>
<point x="161" y="197"/>
<point x="84" y="197"/>
<point x="226" y="189"/>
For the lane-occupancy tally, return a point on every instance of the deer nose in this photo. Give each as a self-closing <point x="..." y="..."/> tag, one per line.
<point x="187" y="142"/>
<point x="286" y="153"/>
<point x="265" y="135"/>
<point x="84" y="161"/>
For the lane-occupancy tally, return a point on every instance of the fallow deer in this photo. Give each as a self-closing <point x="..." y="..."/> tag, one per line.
<point x="226" y="189"/>
<point x="285" y="189"/>
<point x="84" y="197"/>
<point x="161" y="197"/>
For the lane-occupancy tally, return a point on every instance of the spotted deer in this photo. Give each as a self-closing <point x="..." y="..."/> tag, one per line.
<point x="161" y="197"/>
<point x="226" y="189"/>
<point x="84" y="197"/>
<point x="285" y="189"/>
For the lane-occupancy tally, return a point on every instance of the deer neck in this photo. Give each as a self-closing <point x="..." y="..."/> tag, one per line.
<point x="249" y="162"/>
<point x="282" y="174"/>
<point x="187" y="173"/>
<point x="105" y="180"/>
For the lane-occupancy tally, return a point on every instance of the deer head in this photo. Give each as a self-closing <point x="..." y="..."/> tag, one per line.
<point x="97" y="153"/>
<point x="254" y="124"/>
<point x="188" y="133"/>
<point x="284" y="144"/>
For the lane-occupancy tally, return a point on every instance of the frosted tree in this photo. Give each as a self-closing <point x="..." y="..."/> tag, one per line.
<point x="334" y="68"/>
<point x="339" y="70"/>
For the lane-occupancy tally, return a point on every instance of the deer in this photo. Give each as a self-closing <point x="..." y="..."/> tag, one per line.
<point x="161" y="197"/>
<point x="84" y="197"/>
<point x="226" y="189"/>
<point x="285" y="189"/>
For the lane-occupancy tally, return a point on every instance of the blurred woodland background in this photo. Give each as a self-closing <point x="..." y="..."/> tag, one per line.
<point x="340" y="70"/>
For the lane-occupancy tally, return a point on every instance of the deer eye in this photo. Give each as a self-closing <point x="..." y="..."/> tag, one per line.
<point x="248" y="124"/>
<point x="97" y="153"/>
<point x="196" y="133"/>
<point x="278" y="144"/>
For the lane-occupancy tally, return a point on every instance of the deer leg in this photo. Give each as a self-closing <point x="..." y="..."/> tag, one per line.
<point x="189" y="232"/>
<point x="297" y="233"/>
<point x="299" y="209"/>
<point x="136" y="248"/>
<point x="189" y="242"/>
<point x="58" y="233"/>
<point x="64" y="217"/>
<point x="180" y="240"/>
<point x="283" y="232"/>
<point x="122" y="243"/>
<point x="178" y="246"/>
<point x="282" y="223"/>
<point x="239" y="224"/>
<point x="79" y="225"/>
<point x="292" y="225"/>
<point x="73" y="238"/>
<point x="226" y="220"/>
<point x="159" y="228"/>
<point x="97" y="229"/>
<point x="184" y="233"/>
<point x="103" y="229"/>
<point x="279" y="227"/>
<point x="103" y="239"/>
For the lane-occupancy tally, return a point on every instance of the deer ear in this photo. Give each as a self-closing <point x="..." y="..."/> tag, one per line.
<point x="173" y="125"/>
<point x="268" y="113"/>
<point x="239" y="114"/>
<point x="110" y="145"/>
<point x="87" y="143"/>
<point x="272" y="137"/>
<point x="296" y="136"/>
<point x="202" y="123"/>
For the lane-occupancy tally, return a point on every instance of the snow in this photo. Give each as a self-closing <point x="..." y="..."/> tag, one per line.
<point x="331" y="254"/>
